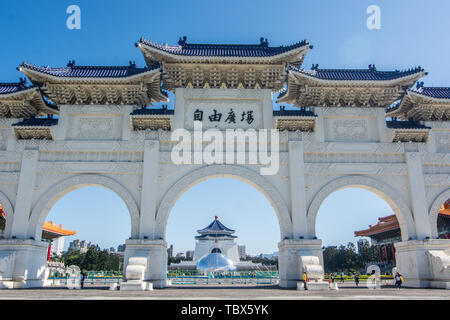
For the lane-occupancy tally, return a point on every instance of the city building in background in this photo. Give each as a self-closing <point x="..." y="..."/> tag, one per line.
<point x="242" y="253"/>
<point x="189" y="254"/>
<point x="80" y="245"/>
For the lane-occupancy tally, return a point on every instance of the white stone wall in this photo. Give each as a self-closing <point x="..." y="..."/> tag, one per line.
<point x="95" y="145"/>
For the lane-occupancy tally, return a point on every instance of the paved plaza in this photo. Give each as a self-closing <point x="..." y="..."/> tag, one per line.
<point x="346" y="292"/>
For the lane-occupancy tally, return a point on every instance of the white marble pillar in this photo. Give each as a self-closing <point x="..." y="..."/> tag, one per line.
<point x="126" y="122"/>
<point x="297" y="189"/>
<point x="417" y="194"/>
<point x="178" y="117"/>
<point x="267" y="110"/>
<point x="24" y="194"/>
<point x="149" y="189"/>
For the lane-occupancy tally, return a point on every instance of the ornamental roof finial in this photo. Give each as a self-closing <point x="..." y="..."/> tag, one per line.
<point x="182" y="41"/>
<point x="71" y="64"/>
<point x="23" y="82"/>
<point x="263" y="42"/>
<point x="419" y="85"/>
<point x="132" y="64"/>
<point x="315" y="67"/>
<point x="216" y="218"/>
<point x="372" y="67"/>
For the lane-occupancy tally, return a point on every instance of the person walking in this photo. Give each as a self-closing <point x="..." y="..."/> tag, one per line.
<point x="81" y="280"/>
<point x="398" y="280"/>
<point x="356" y="279"/>
<point x="342" y="277"/>
<point x="332" y="277"/>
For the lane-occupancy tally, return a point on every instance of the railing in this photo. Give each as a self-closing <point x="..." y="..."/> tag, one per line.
<point x="64" y="281"/>
<point x="258" y="278"/>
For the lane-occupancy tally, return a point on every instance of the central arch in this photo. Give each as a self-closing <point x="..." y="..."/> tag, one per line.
<point x="387" y="193"/>
<point x="223" y="171"/>
<point x="61" y="188"/>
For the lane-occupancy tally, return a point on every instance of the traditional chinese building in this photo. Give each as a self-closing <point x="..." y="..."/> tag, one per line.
<point x="217" y="238"/>
<point x="387" y="232"/>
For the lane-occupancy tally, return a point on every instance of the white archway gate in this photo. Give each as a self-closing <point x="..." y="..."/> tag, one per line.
<point x="340" y="137"/>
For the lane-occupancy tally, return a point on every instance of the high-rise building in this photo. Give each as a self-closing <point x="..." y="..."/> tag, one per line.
<point x="80" y="245"/>
<point x="190" y="254"/>
<point x="170" y="251"/>
<point x="242" y="253"/>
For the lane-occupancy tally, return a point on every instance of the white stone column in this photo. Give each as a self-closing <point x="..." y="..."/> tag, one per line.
<point x="381" y="124"/>
<point x="289" y="252"/>
<point x="418" y="267"/>
<point x="267" y="112"/>
<point x="23" y="263"/>
<point x="60" y="130"/>
<point x="126" y="124"/>
<point x="155" y="251"/>
<point x="149" y="189"/>
<point x="417" y="194"/>
<point x="297" y="189"/>
<point x="25" y="190"/>
<point x="319" y="132"/>
<point x="178" y="117"/>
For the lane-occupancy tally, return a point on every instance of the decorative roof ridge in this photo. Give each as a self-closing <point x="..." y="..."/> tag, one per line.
<point x="221" y="227"/>
<point x="152" y="111"/>
<point x="314" y="70"/>
<point x="37" y="122"/>
<point x="405" y="124"/>
<point x="20" y="86"/>
<point x="262" y="45"/>
<point x="424" y="91"/>
<point x="48" y="70"/>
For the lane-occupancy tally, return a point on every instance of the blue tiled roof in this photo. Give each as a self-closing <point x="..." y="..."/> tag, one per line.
<point x="298" y="113"/>
<point x="215" y="227"/>
<point x="224" y="50"/>
<point x="434" y="92"/>
<point x="150" y="111"/>
<point x="73" y="71"/>
<point x="37" y="122"/>
<point x="395" y="124"/>
<point x="214" y="235"/>
<point x="370" y="74"/>
<point x="13" y="87"/>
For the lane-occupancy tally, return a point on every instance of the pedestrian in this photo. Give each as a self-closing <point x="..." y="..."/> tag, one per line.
<point x="356" y="279"/>
<point x="342" y="277"/>
<point x="81" y="280"/>
<point x="398" y="280"/>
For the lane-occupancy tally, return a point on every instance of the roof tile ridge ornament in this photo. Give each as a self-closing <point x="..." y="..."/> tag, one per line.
<point x="182" y="41"/>
<point x="419" y="86"/>
<point x="263" y="42"/>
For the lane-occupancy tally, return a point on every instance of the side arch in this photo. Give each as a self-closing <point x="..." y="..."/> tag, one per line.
<point x="62" y="187"/>
<point x="223" y="171"/>
<point x="386" y="192"/>
<point x="434" y="210"/>
<point x="9" y="212"/>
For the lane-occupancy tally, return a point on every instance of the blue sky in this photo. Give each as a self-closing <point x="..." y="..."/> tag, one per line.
<point x="412" y="33"/>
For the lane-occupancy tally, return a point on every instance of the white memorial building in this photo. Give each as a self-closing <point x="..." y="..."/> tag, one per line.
<point x="78" y="126"/>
